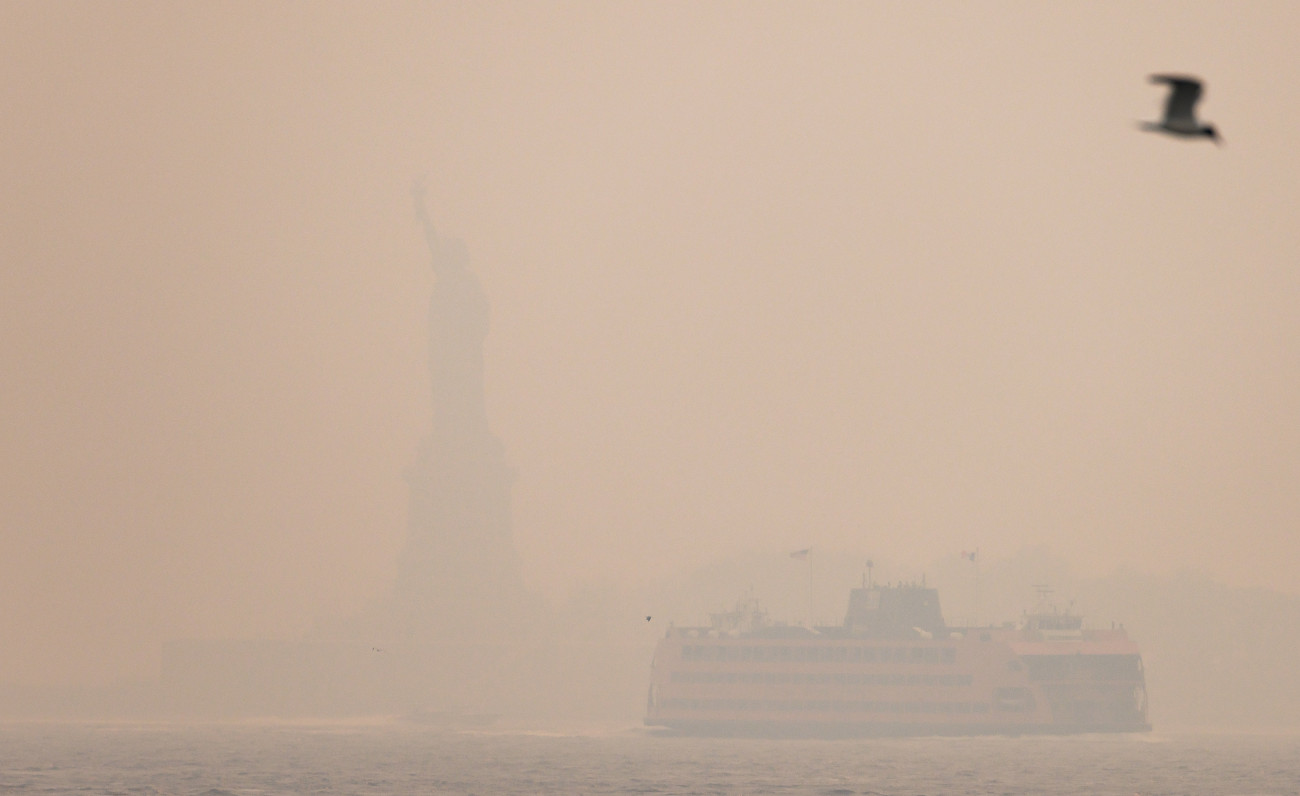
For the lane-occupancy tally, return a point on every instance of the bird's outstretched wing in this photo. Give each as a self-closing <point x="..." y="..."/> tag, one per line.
<point x="1183" y="94"/>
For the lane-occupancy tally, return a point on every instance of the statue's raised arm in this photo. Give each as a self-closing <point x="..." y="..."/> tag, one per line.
<point x="422" y="213"/>
<point x="447" y="254"/>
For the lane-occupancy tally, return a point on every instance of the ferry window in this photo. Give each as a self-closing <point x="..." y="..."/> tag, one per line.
<point x="900" y="655"/>
<point x="918" y="654"/>
<point x="1013" y="700"/>
<point x="931" y="655"/>
<point x="949" y="655"/>
<point x="1114" y="667"/>
<point x="1014" y="666"/>
<point x="869" y="654"/>
<point x="839" y="653"/>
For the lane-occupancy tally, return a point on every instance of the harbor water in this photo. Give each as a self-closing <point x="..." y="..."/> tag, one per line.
<point x="394" y="758"/>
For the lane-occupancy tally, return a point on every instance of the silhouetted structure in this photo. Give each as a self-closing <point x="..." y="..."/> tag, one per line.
<point x="458" y="574"/>
<point x="455" y="635"/>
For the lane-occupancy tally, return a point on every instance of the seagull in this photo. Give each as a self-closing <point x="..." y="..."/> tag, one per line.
<point x="1180" y="113"/>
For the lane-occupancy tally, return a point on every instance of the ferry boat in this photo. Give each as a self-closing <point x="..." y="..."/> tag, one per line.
<point x="895" y="668"/>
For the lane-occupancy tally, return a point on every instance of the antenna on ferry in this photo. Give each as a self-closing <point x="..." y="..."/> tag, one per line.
<point x="870" y="564"/>
<point x="974" y="557"/>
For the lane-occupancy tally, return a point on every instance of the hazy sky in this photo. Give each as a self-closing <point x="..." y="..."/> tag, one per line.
<point x="902" y="278"/>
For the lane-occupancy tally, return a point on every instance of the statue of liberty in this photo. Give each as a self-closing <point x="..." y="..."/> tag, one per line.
<point x="458" y="575"/>
<point x="458" y="326"/>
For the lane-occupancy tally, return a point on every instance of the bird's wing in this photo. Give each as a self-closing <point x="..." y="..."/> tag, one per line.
<point x="1183" y="94"/>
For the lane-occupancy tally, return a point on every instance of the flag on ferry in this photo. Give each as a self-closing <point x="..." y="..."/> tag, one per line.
<point x="971" y="555"/>
<point x="801" y="554"/>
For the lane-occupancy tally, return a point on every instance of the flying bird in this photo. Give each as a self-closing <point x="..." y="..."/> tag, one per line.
<point x="1180" y="109"/>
